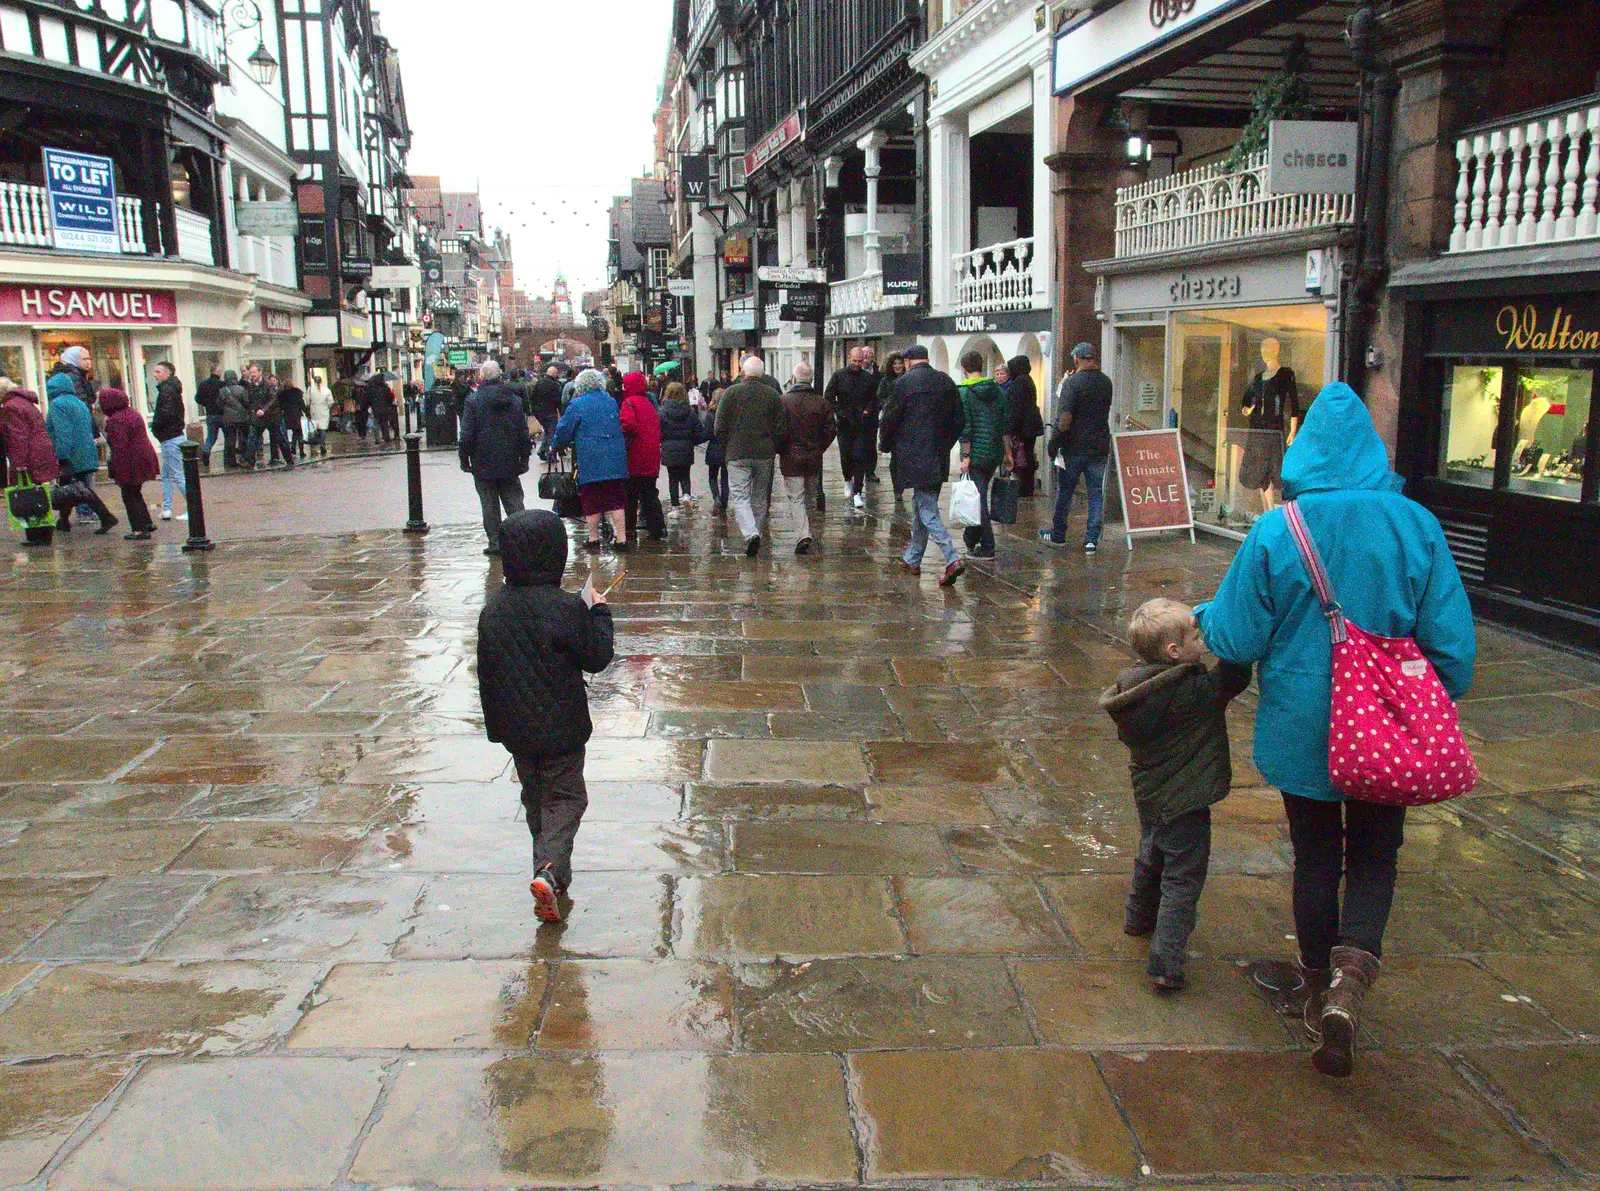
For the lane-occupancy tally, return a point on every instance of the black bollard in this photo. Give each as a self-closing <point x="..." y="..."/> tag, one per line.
<point x="416" y="524"/>
<point x="192" y="498"/>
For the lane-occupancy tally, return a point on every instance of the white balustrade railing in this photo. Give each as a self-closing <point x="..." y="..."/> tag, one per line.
<point x="769" y="316"/>
<point x="194" y="237"/>
<point x="1531" y="180"/>
<point x="999" y="277"/>
<point x="863" y="294"/>
<point x="25" y="218"/>
<point x="1211" y="205"/>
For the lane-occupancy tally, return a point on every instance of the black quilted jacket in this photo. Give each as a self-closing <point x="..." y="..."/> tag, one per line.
<point x="535" y="643"/>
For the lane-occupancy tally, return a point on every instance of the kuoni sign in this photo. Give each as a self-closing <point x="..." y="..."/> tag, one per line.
<point x="1155" y="484"/>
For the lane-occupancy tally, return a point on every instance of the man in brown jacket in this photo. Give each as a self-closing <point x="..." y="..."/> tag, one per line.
<point x="811" y="432"/>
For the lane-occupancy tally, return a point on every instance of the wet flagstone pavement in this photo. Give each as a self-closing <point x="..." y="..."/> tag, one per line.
<point x="848" y="895"/>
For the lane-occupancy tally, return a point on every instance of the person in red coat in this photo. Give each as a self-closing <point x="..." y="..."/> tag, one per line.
<point x="133" y="461"/>
<point x="27" y="446"/>
<point x="641" y="426"/>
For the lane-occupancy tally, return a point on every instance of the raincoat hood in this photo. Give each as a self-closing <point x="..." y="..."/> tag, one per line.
<point x="1337" y="448"/>
<point x="533" y="548"/>
<point x="634" y="384"/>
<point x="113" y="401"/>
<point x="25" y="394"/>
<point x="59" y="385"/>
<point x="984" y="389"/>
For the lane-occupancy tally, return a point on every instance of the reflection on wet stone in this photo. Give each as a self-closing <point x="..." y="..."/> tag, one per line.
<point x="121" y="919"/>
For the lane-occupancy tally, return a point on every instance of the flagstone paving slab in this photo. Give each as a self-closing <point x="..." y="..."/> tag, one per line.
<point x="613" y="1119"/>
<point x="1567" y="988"/>
<point x="41" y="1104"/>
<point x="255" y="1124"/>
<point x="1553" y="1088"/>
<point x="424" y="1006"/>
<point x="30" y="904"/>
<point x="637" y="1005"/>
<point x="115" y="849"/>
<point x="758" y="916"/>
<point x="978" y="915"/>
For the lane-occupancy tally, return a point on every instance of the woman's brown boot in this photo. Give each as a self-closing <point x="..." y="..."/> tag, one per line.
<point x="1316" y="994"/>
<point x="1354" y="972"/>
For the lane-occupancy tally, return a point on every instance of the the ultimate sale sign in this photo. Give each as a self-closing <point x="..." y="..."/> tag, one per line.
<point x="1155" y="485"/>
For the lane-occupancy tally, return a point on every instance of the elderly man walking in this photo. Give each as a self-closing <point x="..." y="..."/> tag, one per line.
<point x="753" y="426"/>
<point x="921" y="427"/>
<point x="494" y="448"/>
<point x="811" y="430"/>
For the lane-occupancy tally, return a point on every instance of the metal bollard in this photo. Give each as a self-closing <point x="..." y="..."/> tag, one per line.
<point x="416" y="524"/>
<point x="194" y="501"/>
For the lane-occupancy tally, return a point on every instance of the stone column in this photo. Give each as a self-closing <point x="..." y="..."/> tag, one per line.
<point x="950" y="202"/>
<point x="799" y="214"/>
<point x="872" y="145"/>
<point x="1044" y="106"/>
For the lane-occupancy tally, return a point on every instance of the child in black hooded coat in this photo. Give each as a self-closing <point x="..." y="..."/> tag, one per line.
<point x="535" y="643"/>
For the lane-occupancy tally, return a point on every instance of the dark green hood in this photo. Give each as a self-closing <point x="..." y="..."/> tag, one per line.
<point x="1338" y="448"/>
<point x="983" y="389"/>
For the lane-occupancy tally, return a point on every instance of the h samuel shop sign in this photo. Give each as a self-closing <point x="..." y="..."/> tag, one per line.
<point x="74" y="305"/>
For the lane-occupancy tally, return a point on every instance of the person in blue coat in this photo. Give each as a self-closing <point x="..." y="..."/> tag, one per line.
<point x="71" y="428"/>
<point x="592" y="423"/>
<point x="1393" y="574"/>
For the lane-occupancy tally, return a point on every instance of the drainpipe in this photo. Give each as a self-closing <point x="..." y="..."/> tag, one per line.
<point x="1364" y="281"/>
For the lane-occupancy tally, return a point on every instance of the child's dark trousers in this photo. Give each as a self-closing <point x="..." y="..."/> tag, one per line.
<point x="1168" y="875"/>
<point x="554" y="799"/>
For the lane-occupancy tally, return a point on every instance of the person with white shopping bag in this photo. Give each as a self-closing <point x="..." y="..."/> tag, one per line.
<point x="920" y="427"/>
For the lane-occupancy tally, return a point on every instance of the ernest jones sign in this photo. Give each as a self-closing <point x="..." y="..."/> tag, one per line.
<point x="1155" y="488"/>
<point x="75" y="304"/>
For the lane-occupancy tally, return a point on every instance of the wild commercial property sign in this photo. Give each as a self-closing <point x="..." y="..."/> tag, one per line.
<point x="83" y="201"/>
<point x="1155" y="485"/>
<point x="74" y="305"/>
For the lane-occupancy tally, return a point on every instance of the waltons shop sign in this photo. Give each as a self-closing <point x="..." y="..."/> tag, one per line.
<point x="1564" y="326"/>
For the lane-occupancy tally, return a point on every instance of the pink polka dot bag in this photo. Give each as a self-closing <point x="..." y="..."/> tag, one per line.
<point x="1394" y="738"/>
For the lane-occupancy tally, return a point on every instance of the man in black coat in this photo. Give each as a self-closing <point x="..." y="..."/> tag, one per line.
<point x="208" y="396"/>
<point x="494" y="448"/>
<point x="921" y="427"/>
<point x="535" y="644"/>
<point x="168" y="421"/>
<point x="852" y="391"/>
<point x="544" y="400"/>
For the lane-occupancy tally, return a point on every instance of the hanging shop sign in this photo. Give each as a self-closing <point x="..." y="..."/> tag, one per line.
<point x="266" y="219"/>
<point x="804" y="304"/>
<point x="433" y="270"/>
<point x="775" y="142"/>
<point x="74" y="305"/>
<point x="1103" y="43"/>
<point x="1154" y="482"/>
<point x="355" y="330"/>
<point x="355" y="267"/>
<point x="902" y="277"/>
<point x="313" y="240"/>
<point x="458" y="357"/>
<point x="736" y="250"/>
<point x="653" y="320"/>
<point x="680" y="287"/>
<point x="630" y="324"/>
<point x="83" y="201"/>
<point x="739" y="320"/>
<point x="1311" y="157"/>
<point x="1566" y="325"/>
<point x="276" y="322"/>
<point x="395" y="276"/>
<point x="790" y="275"/>
<point x="694" y="174"/>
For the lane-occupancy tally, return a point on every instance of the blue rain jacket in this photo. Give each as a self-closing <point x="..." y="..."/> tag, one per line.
<point x="71" y="426"/>
<point x="594" y="422"/>
<point x="1392" y="574"/>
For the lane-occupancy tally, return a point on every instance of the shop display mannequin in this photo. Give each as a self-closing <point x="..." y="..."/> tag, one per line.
<point x="1272" y="406"/>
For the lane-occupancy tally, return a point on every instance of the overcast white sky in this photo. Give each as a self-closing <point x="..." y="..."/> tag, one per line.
<point x="545" y="104"/>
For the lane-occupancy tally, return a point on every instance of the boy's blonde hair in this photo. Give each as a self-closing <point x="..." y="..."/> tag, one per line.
<point x="1156" y="624"/>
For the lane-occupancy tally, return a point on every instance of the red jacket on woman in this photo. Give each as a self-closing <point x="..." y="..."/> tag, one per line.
<point x="27" y="442"/>
<point x="641" y="425"/>
<point x="133" y="460"/>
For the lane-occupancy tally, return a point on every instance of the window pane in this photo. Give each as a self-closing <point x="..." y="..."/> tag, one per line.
<point x="1552" y="421"/>
<point x="1471" y="414"/>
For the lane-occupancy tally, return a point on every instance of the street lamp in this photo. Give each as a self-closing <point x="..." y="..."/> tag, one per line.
<point x="246" y="14"/>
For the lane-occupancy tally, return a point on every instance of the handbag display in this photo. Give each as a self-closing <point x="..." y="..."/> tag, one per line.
<point x="1394" y="737"/>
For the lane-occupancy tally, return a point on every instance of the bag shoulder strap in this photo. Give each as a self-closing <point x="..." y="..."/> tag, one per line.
<point x="1312" y="558"/>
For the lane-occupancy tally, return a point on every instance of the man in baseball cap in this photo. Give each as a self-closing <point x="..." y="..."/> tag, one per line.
<point x="1081" y="445"/>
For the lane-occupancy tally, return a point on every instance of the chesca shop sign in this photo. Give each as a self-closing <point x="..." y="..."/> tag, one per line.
<point x="75" y="305"/>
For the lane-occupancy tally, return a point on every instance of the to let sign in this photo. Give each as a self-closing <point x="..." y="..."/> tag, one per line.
<point x="83" y="201"/>
<point x="76" y="305"/>
<point x="1155" y="485"/>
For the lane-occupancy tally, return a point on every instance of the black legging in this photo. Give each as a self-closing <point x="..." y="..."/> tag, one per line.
<point x="1362" y="841"/>
<point x="717" y="480"/>
<point x="678" y="482"/>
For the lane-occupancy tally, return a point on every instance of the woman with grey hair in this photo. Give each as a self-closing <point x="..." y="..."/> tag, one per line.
<point x="592" y="424"/>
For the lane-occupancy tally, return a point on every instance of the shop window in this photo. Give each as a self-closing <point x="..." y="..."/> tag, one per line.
<point x="1551" y="428"/>
<point x="1241" y="382"/>
<point x="105" y="355"/>
<point x="1471" y="419"/>
<point x="11" y="364"/>
<point x="206" y="362"/>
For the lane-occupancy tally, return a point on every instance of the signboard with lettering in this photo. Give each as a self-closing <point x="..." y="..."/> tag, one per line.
<point x="355" y="330"/>
<point x="739" y="320"/>
<point x="1154" y="482"/>
<point x="790" y="274"/>
<point x="459" y="357"/>
<point x="680" y="287"/>
<point x="736" y="250"/>
<point x="630" y="324"/>
<point x="83" y="201"/>
<point x="1107" y="40"/>
<point x="276" y="322"/>
<point x="773" y="143"/>
<point x="1311" y="157"/>
<point x="805" y="304"/>
<point x="266" y="219"/>
<point x="395" y="276"/>
<point x="78" y="305"/>
<point x="313" y="240"/>
<point x="902" y="276"/>
<point x="694" y="172"/>
<point x="1564" y="325"/>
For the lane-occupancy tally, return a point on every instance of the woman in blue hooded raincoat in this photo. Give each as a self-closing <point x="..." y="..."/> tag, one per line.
<point x="71" y="428"/>
<point x="592" y="425"/>
<point x="1393" y="574"/>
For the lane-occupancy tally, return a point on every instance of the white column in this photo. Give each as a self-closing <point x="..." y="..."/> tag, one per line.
<point x="1044" y="272"/>
<point x="872" y="145"/>
<point x="785" y="249"/>
<point x="704" y="234"/>
<point x="799" y="218"/>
